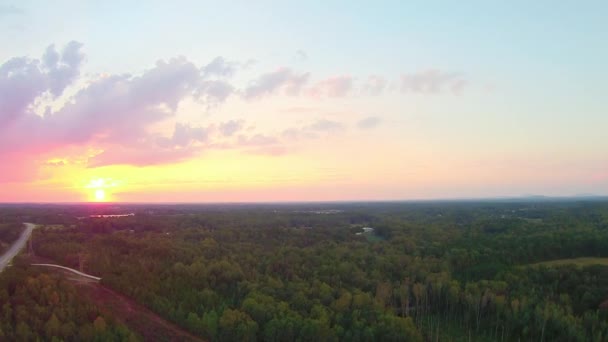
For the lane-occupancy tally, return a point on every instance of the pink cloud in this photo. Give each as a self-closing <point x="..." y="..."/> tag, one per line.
<point x="116" y="113"/>
<point x="113" y="112"/>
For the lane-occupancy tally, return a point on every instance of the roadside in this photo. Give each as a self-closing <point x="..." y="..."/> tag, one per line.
<point x="135" y="316"/>
<point x="17" y="246"/>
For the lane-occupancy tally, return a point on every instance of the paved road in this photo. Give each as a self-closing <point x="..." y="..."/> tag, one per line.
<point x="17" y="246"/>
<point x="71" y="270"/>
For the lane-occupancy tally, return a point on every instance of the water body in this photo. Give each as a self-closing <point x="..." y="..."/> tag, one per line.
<point x="113" y="215"/>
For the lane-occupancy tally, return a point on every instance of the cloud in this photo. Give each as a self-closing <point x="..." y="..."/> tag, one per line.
<point x="119" y="114"/>
<point x="301" y="55"/>
<point x="215" y="91"/>
<point x="185" y="142"/>
<point x="325" y="126"/>
<point x="313" y="130"/>
<point x="229" y="128"/>
<point x="257" y="140"/>
<point x="369" y="122"/>
<point x="63" y="68"/>
<point x="184" y="135"/>
<point x="119" y="108"/>
<point x="338" y="86"/>
<point x="23" y="80"/>
<point x="432" y="81"/>
<point x="374" y="85"/>
<point x="283" y="80"/>
<point x="125" y="155"/>
<point x="114" y="112"/>
<point x="219" y="67"/>
<point x="458" y="87"/>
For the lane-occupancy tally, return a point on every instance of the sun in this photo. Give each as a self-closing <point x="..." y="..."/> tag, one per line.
<point x="101" y="189"/>
<point x="100" y="195"/>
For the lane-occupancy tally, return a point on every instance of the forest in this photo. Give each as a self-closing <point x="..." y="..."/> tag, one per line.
<point x="425" y="271"/>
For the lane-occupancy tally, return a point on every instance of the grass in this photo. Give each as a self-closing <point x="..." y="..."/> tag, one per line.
<point x="371" y="237"/>
<point x="581" y="262"/>
<point x="54" y="226"/>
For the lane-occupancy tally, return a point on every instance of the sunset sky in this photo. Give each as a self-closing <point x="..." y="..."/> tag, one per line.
<point x="200" y="101"/>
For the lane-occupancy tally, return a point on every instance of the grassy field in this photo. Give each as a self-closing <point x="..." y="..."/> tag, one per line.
<point x="574" y="261"/>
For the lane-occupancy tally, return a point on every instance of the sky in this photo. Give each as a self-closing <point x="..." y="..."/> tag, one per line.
<point x="240" y="101"/>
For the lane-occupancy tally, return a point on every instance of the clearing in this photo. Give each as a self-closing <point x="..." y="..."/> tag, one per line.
<point x="586" y="261"/>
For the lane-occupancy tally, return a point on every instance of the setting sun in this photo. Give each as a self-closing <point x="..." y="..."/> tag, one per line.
<point x="100" y="195"/>
<point x="99" y="189"/>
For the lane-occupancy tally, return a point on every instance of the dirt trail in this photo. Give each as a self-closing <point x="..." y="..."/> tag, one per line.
<point x="132" y="314"/>
<point x="137" y="317"/>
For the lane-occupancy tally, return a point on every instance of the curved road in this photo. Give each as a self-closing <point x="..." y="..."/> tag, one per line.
<point x="71" y="270"/>
<point x="17" y="246"/>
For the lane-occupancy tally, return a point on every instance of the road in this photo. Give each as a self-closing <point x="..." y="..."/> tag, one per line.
<point x="17" y="246"/>
<point x="70" y="270"/>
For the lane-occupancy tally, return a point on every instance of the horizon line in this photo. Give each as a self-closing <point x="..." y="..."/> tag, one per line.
<point x="520" y="198"/>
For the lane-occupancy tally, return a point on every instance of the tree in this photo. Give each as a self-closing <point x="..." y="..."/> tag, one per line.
<point x="99" y="325"/>
<point x="52" y="326"/>
<point x="235" y="325"/>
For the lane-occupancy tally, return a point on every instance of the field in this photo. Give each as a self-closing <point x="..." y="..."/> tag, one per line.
<point x="581" y="262"/>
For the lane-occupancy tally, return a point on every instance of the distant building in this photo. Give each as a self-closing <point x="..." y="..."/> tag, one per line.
<point x="366" y="230"/>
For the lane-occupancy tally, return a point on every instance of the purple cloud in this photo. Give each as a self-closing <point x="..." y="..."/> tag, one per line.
<point x="229" y="128"/>
<point x="325" y="126"/>
<point x="117" y="113"/>
<point x="431" y="82"/>
<point x="184" y="135"/>
<point x="283" y="80"/>
<point x="219" y="67"/>
<point x="113" y="112"/>
<point x="369" y="122"/>
<point x="63" y="68"/>
<point x="215" y="91"/>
